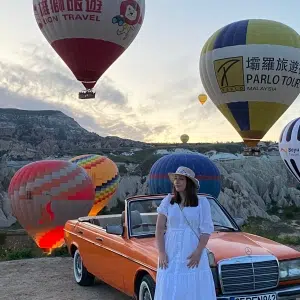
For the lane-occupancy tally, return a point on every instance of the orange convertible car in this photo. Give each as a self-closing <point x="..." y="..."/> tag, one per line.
<point x="120" y="250"/>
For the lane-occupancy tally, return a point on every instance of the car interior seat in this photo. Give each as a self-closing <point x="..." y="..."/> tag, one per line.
<point x="136" y="218"/>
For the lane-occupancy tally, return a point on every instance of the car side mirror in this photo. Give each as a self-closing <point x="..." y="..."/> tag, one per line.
<point x="239" y="221"/>
<point x="114" y="229"/>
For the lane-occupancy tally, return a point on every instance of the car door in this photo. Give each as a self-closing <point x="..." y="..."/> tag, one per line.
<point x="82" y="239"/>
<point x="112" y="259"/>
<point x="94" y="252"/>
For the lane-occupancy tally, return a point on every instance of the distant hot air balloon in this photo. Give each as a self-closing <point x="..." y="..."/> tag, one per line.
<point x="250" y="69"/>
<point x="89" y="35"/>
<point x="184" y="138"/>
<point x="206" y="172"/>
<point x="289" y="147"/>
<point x="105" y="176"/>
<point x="45" y="194"/>
<point x="202" y="98"/>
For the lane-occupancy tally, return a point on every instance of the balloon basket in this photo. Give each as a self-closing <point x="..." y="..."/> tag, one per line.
<point x="87" y="94"/>
<point x="47" y="251"/>
<point x="248" y="151"/>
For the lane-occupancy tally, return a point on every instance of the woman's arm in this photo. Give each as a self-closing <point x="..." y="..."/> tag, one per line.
<point x="206" y="223"/>
<point x="159" y="232"/>
<point x="204" y="237"/>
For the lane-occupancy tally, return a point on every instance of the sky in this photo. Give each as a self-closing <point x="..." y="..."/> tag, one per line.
<point x="150" y="93"/>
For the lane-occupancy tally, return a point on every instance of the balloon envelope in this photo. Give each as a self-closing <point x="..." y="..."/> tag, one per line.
<point x="89" y="35"/>
<point x="202" y="98"/>
<point x="184" y="138"/>
<point x="289" y="147"/>
<point x="250" y="69"/>
<point x="45" y="194"/>
<point x="205" y="170"/>
<point x="105" y="176"/>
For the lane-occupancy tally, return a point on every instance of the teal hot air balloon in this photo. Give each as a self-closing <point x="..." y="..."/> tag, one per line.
<point x="250" y="70"/>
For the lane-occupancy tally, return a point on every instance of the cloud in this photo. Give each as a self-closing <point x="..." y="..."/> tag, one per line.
<point x="42" y="66"/>
<point x="34" y="86"/>
<point x="43" y="81"/>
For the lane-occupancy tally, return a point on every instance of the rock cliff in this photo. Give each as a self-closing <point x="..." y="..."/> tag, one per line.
<point x="252" y="186"/>
<point x="6" y="217"/>
<point x="34" y="135"/>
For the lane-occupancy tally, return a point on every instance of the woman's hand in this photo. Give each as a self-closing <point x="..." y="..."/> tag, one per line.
<point x="163" y="260"/>
<point x="194" y="258"/>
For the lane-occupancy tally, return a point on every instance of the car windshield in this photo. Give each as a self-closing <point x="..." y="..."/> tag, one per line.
<point x="143" y="215"/>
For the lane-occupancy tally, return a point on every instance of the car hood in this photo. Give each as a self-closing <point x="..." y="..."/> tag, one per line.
<point x="225" y="245"/>
<point x="232" y="244"/>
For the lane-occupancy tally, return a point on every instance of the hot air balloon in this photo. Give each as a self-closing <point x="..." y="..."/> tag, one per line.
<point x="202" y="98"/>
<point x="105" y="176"/>
<point x="184" y="138"/>
<point x="45" y="194"/>
<point x="206" y="172"/>
<point x="89" y="35"/>
<point x="289" y="147"/>
<point x="249" y="70"/>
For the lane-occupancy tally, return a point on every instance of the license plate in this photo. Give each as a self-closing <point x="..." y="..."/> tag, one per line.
<point x="258" y="297"/>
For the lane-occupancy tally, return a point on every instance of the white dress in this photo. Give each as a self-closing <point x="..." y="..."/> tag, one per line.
<point x="178" y="282"/>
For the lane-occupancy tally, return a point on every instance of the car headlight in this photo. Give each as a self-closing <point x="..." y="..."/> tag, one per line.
<point x="289" y="270"/>
<point x="211" y="258"/>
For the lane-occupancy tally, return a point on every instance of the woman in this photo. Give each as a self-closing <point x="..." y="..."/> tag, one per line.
<point x="183" y="266"/>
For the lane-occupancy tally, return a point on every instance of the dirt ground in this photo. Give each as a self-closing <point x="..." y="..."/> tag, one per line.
<point x="48" y="279"/>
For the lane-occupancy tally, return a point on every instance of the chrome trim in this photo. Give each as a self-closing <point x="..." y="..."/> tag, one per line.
<point x="111" y="250"/>
<point x="281" y="294"/>
<point x="246" y="259"/>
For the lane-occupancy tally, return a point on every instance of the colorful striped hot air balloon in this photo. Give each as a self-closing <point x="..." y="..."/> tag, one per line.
<point x="105" y="176"/>
<point x="205" y="170"/>
<point x="45" y="194"/>
<point x="250" y="70"/>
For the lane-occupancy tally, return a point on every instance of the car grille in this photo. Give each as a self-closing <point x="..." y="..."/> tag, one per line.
<point x="248" y="274"/>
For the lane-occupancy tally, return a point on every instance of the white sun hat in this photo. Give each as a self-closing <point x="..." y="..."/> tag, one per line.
<point x="187" y="172"/>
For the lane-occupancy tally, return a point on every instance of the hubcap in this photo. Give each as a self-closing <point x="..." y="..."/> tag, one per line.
<point x="144" y="293"/>
<point x="77" y="267"/>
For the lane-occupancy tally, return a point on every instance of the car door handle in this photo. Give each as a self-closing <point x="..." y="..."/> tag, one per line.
<point x="79" y="231"/>
<point x="98" y="238"/>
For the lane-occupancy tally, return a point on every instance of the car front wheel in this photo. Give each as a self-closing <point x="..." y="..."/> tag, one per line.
<point x="147" y="288"/>
<point x="82" y="276"/>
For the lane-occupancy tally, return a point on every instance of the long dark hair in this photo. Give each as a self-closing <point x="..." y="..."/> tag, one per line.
<point x="191" y="194"/>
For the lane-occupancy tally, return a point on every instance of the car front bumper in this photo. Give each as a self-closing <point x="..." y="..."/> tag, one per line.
<point x="287" y="293"/>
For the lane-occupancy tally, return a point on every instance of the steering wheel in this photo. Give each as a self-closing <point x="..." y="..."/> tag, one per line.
<point x="144" y="225"/>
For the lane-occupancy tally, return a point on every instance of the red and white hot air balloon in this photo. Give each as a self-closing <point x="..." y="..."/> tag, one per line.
<point x="45" y="194"/>
<point x="89" y="35"/>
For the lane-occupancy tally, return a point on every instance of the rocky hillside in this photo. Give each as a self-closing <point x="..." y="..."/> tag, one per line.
<point x="6" y="218"/>
<point x="33" y="135"/>
<point x="251" y="186"/>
